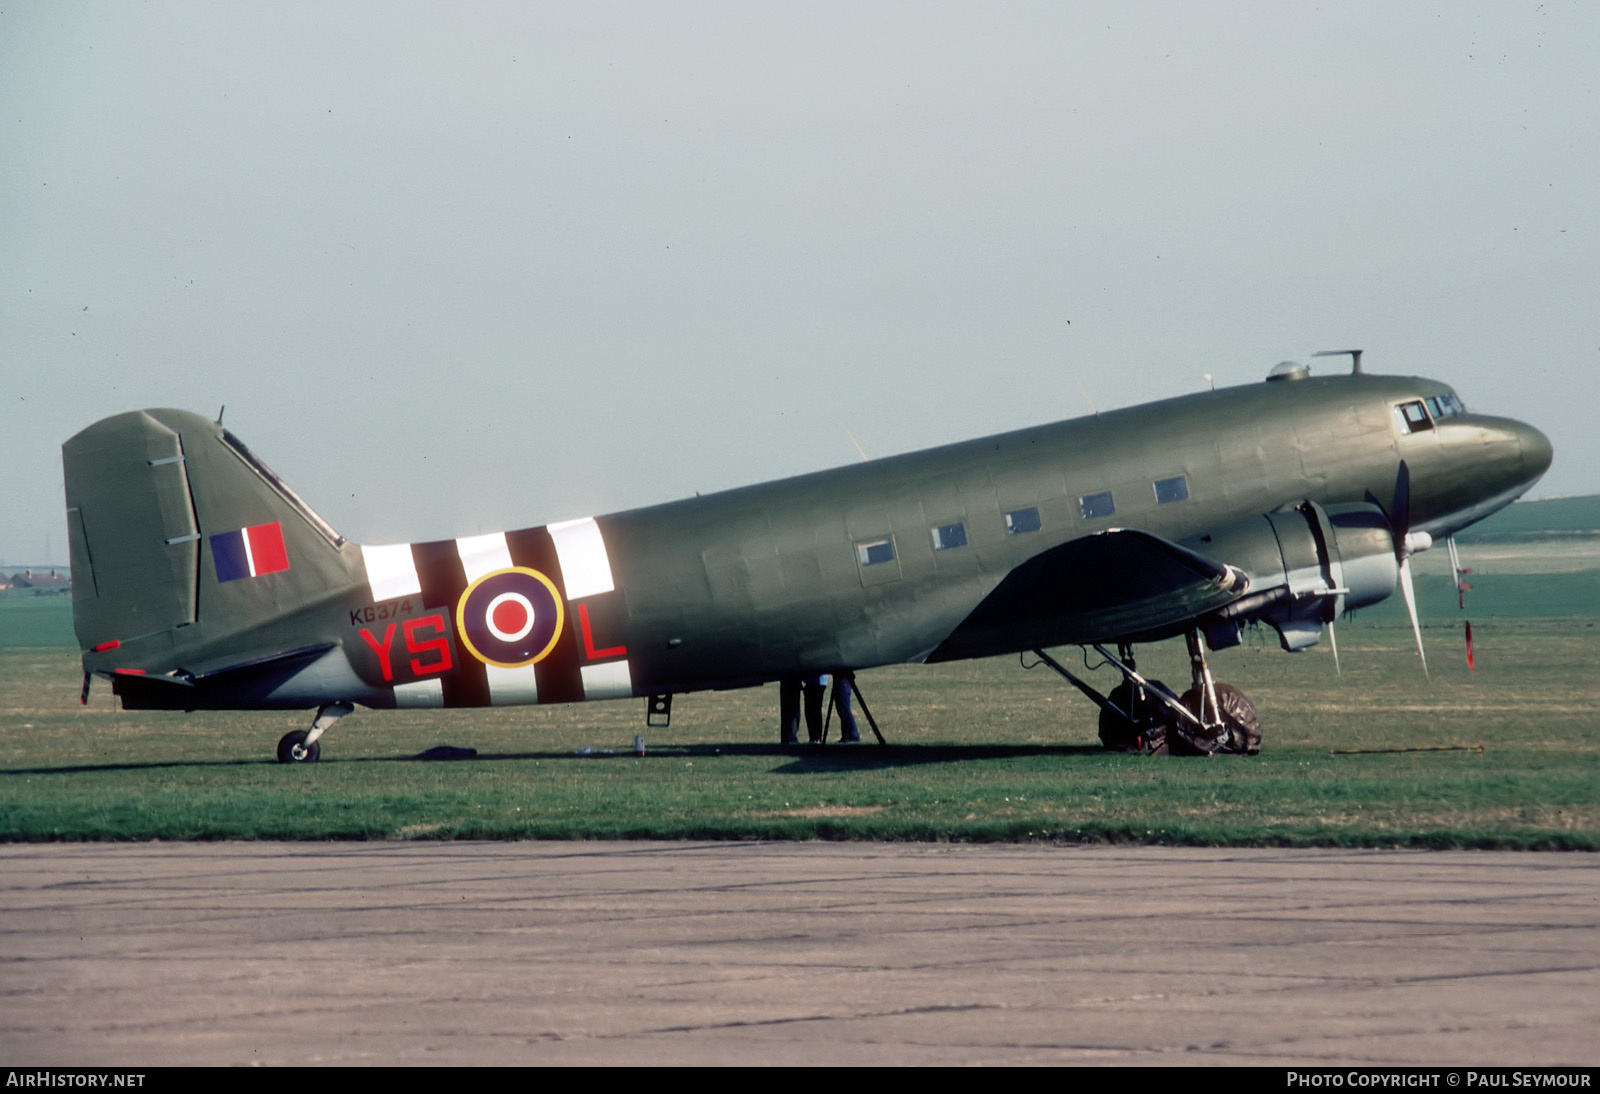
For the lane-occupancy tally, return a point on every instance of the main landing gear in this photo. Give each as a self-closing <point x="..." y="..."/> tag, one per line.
<point x="1142" y="715"/>
<point x="300" y="746"/>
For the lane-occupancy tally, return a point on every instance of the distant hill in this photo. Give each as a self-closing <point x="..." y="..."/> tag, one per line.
<point x="1525" y="520"/>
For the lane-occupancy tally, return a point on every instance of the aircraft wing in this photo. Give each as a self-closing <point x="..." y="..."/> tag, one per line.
<point x="1121" y="584"/>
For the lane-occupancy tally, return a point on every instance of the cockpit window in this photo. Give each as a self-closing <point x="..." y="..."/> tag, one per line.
<point x="1422" y="414"/>
<point x="1412" y="417"/>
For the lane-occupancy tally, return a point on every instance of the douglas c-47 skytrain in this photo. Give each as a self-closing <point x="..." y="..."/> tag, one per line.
<point x="202" y="582"/>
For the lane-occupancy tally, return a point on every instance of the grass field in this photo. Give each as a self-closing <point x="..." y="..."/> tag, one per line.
<point x="28" y="621"/>
<point x="1538" y="520"/>
<point x="978" y="750"/>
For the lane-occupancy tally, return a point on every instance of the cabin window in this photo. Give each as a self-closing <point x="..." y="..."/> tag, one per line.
<point x="949" y="536"/>
<point x="1096" y="506"/>
<point x="1171" y="490"/>
<point x="1019" y="521"/>
<point x="1412" y="417"/>
<point x="875" y="552"/>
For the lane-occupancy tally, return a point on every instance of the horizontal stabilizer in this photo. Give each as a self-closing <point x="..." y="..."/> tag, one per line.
<point x="234" y="687"/>
<point x="1113" y="586"/>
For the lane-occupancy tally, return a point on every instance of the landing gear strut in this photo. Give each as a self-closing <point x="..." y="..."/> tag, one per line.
<point x="1135" y="719"/>
<point x="300" y="746"/>
<point x="1145" y="715"/>
<point x="1226" y="721"/>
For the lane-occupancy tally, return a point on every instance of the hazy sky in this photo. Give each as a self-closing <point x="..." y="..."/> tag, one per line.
<point x="458" y="268"/>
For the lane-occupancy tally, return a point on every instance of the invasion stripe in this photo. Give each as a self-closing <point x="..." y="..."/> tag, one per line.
<point x="607" y="681"/>
<point x="391" y="571"/>
<point x="509" y="687"/>
<point x="584" y="563"/>
<point x="443" y="580"/>
<point x="482" y="555"/>
<point x="587" y="568"/>
<point x="419" y="693"/>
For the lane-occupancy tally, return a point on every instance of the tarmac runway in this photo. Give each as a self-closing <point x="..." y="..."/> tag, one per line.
<point x="798" y="953"/>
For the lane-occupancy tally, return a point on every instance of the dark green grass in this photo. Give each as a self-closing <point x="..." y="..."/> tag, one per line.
<point x="980" y="751"/>
<point x="30" y="620"/>
<point x="1533" y="520"/>
<point x="1493" y="597"/>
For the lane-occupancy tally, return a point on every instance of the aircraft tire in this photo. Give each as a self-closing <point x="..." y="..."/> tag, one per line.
<point x="1145" y="735"/>
<point x="292" y="748"/>
<point x="1239" y="734"/>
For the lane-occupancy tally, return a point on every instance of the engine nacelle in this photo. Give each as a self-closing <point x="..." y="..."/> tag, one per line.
<point x="1364" y="543"/>
<point x="1306" y="564"/>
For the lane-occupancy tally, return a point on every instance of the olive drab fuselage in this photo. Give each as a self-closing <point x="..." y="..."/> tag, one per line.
<point x="202" y="581"/>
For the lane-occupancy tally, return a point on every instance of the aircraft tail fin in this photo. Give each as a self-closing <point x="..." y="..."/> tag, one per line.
<point x="180" y="537"/>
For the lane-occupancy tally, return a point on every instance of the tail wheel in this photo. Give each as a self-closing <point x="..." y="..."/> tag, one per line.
<point x="1239" y="733"/>
<point x="1150" y="724"/>
<point x="292" y="748"/>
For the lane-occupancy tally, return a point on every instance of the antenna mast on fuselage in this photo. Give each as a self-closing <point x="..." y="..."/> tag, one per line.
<point x="1353" y="354"/>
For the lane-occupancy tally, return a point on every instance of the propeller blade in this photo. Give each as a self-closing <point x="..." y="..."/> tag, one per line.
<point x="1399" y="516"/>
<point x="1470" y="667"/>
<point x="1411" y="607"/>
<point x="1402" y="505"/>
<point x="1406" y="543"/>
<point x="1334" y="642"/>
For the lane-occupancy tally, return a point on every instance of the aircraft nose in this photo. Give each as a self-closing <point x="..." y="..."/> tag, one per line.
<point x="1536" y="450"/>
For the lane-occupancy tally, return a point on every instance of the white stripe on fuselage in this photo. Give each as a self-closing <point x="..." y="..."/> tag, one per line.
<point x="483" y="555"/>
<point x="391" y="571"/>
<point x="419" y="693"/>
<point x="586" y="571"/>
<point x="585" y="566"/>
<point x="610" y="680"/>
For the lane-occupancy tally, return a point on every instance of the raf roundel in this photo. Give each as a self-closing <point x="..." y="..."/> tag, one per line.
<point x="510" y="617"/>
